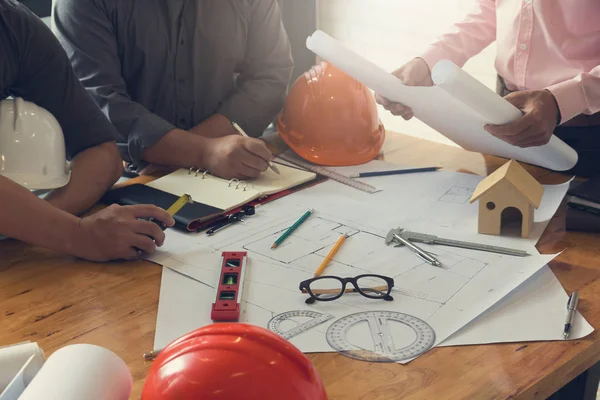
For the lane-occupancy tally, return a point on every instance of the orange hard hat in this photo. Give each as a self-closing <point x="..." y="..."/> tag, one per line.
<point x="329" y="118"/>
<point x="232" y="361"/>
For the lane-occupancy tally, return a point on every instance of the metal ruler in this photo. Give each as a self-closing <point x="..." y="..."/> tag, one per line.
<point x="432" y="239"/>
<point x="336" y="176"/>
<point x="316" y="318"/>
<point x="384" y="347"/>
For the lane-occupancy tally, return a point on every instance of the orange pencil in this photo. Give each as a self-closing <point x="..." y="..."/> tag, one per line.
<point x="327" y="259"/>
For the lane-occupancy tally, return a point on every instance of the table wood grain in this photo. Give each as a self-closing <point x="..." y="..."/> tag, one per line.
<point x="58" y="300"/>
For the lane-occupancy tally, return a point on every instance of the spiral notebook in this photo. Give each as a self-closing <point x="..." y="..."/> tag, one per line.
<point x="228" y="194"/>
<point x="211" y="196"/>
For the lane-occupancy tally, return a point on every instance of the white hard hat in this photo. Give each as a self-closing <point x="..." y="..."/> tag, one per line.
<point x="32" y="146"/>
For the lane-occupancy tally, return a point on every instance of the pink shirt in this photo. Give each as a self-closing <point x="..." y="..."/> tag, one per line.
<point x="542" y="44"/>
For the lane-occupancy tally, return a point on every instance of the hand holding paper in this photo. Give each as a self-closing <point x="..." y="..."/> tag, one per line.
<point x="416" y="72"/>
<point x="536" y="127"/>
<point x="458" y="106"/>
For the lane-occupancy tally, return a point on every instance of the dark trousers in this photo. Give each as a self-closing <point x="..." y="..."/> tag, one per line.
<point x="586" y="142"/>
<point x="584" y="139"/>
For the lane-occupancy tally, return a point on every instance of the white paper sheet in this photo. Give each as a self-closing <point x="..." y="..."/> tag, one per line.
<point x="458" y="106"/>
<point x="14" y="357"/>
<point x="81" y="371"/>
<point x="17" y="386"/>
<point x="535" y="311"/>
<point x="444" y="297"/>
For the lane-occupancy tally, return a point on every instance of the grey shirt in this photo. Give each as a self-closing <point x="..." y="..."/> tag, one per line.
<point x="153" y="65"/>
<point x="34" y="66"/>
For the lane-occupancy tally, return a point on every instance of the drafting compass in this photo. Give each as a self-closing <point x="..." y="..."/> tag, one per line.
<point x="385" y="345"/>
<point x="314" y="319"/>
<point x="432" y="239"/>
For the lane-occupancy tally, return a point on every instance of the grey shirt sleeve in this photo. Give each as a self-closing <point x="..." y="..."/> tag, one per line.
<point x="44" y="76"/>
<point x="265" y="72"/>
<point x="85" y="30"/>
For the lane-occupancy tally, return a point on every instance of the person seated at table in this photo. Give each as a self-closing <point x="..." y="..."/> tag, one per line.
<point x="34" y="66"/>
<point x="172" y="75"/>
<point x="548" y="64"/>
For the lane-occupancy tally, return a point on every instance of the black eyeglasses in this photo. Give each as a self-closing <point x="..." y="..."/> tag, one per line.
<point x="328" y="288"/>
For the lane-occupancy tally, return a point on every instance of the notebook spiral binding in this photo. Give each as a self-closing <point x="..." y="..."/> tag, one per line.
<point x="238" y="183"/>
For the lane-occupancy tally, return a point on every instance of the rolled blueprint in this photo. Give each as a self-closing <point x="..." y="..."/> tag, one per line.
<point x="81" y="371"/>
<point x="474" y="94"/>
<point x="14" y="357"/>
<point x="458" y="106"/>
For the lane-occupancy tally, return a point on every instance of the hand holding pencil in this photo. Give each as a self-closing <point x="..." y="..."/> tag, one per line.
<point x="244" y="134"/>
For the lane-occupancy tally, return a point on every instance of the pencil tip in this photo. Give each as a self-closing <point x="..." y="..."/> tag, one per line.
<point x="273" y="246"/>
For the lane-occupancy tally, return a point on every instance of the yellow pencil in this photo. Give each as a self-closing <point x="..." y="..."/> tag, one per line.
<point x="327" y="259"/>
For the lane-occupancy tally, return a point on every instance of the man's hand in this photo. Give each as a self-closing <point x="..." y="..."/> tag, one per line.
<point x="235" y="156"/>
<point x="536" y="127"/>
<point x="117" y="232"/>
<point x="414" y="73"/>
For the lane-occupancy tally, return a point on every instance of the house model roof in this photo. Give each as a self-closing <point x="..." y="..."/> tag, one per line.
<point x="517" y="176"/>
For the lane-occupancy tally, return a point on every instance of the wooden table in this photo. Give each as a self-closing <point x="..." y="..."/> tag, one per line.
<point x="57" y="300"/>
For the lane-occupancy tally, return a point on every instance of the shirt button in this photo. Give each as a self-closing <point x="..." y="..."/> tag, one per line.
<point x="181" y="80"/>
<point x="182" y="120"/>
<point x="182" y="41"/>
<point x="523" y="46"/>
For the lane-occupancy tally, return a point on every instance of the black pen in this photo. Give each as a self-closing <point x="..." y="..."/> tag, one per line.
<point x="227" y="220"/>
<point x="571" y="311"/>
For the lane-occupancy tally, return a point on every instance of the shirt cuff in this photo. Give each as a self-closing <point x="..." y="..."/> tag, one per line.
<point x="435" y="53"/>
<point x="569" y="97"/>
<point x="147" y="130"/>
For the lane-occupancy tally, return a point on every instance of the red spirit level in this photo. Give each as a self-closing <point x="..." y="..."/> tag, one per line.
<point x="229" y="287"/>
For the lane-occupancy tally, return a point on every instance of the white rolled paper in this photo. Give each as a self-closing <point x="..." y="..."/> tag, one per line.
<point x="14" y="357"/>
<point x="78" y="372"/>
<point x="458" y="106"/>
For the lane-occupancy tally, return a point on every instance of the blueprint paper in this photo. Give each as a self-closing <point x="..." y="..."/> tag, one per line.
<point x="447" y="298"/>
<point x="458" y="106"/>
<point x="81" y="371"/>
<point x="535" y="311"/>
<point x="13" y="360"/>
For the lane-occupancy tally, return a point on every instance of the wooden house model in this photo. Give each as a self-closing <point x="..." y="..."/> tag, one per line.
<point x="508" y="191"/>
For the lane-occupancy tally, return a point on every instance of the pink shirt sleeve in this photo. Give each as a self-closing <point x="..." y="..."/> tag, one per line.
<point x="580" y="95"/>
<point x="468" y="38"/>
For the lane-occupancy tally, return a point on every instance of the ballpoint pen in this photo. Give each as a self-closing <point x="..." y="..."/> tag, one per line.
<point x="244" y="134"/>
<point x="419" y="251"/>
<point x="227" y="220"/>
<point x="151" y="355"/>
<point x="571" y="311"/>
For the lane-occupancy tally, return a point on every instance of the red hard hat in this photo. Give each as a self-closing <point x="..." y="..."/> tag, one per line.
<point x="232" y="361"/>
<point x="329" y="118"/>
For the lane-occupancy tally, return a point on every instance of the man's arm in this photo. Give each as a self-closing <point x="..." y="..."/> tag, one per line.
<point x="265" y="72"/>
<point x="545" y="109"/>
<point x="113" y="233"/>
<point x="25" y="217"/>
<point x="580" y="95"/>
<point x="474" y="33"/>
<point x="86" y="32"/>
<point x="93" y="171"/>
<point x="46" y="78"/>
